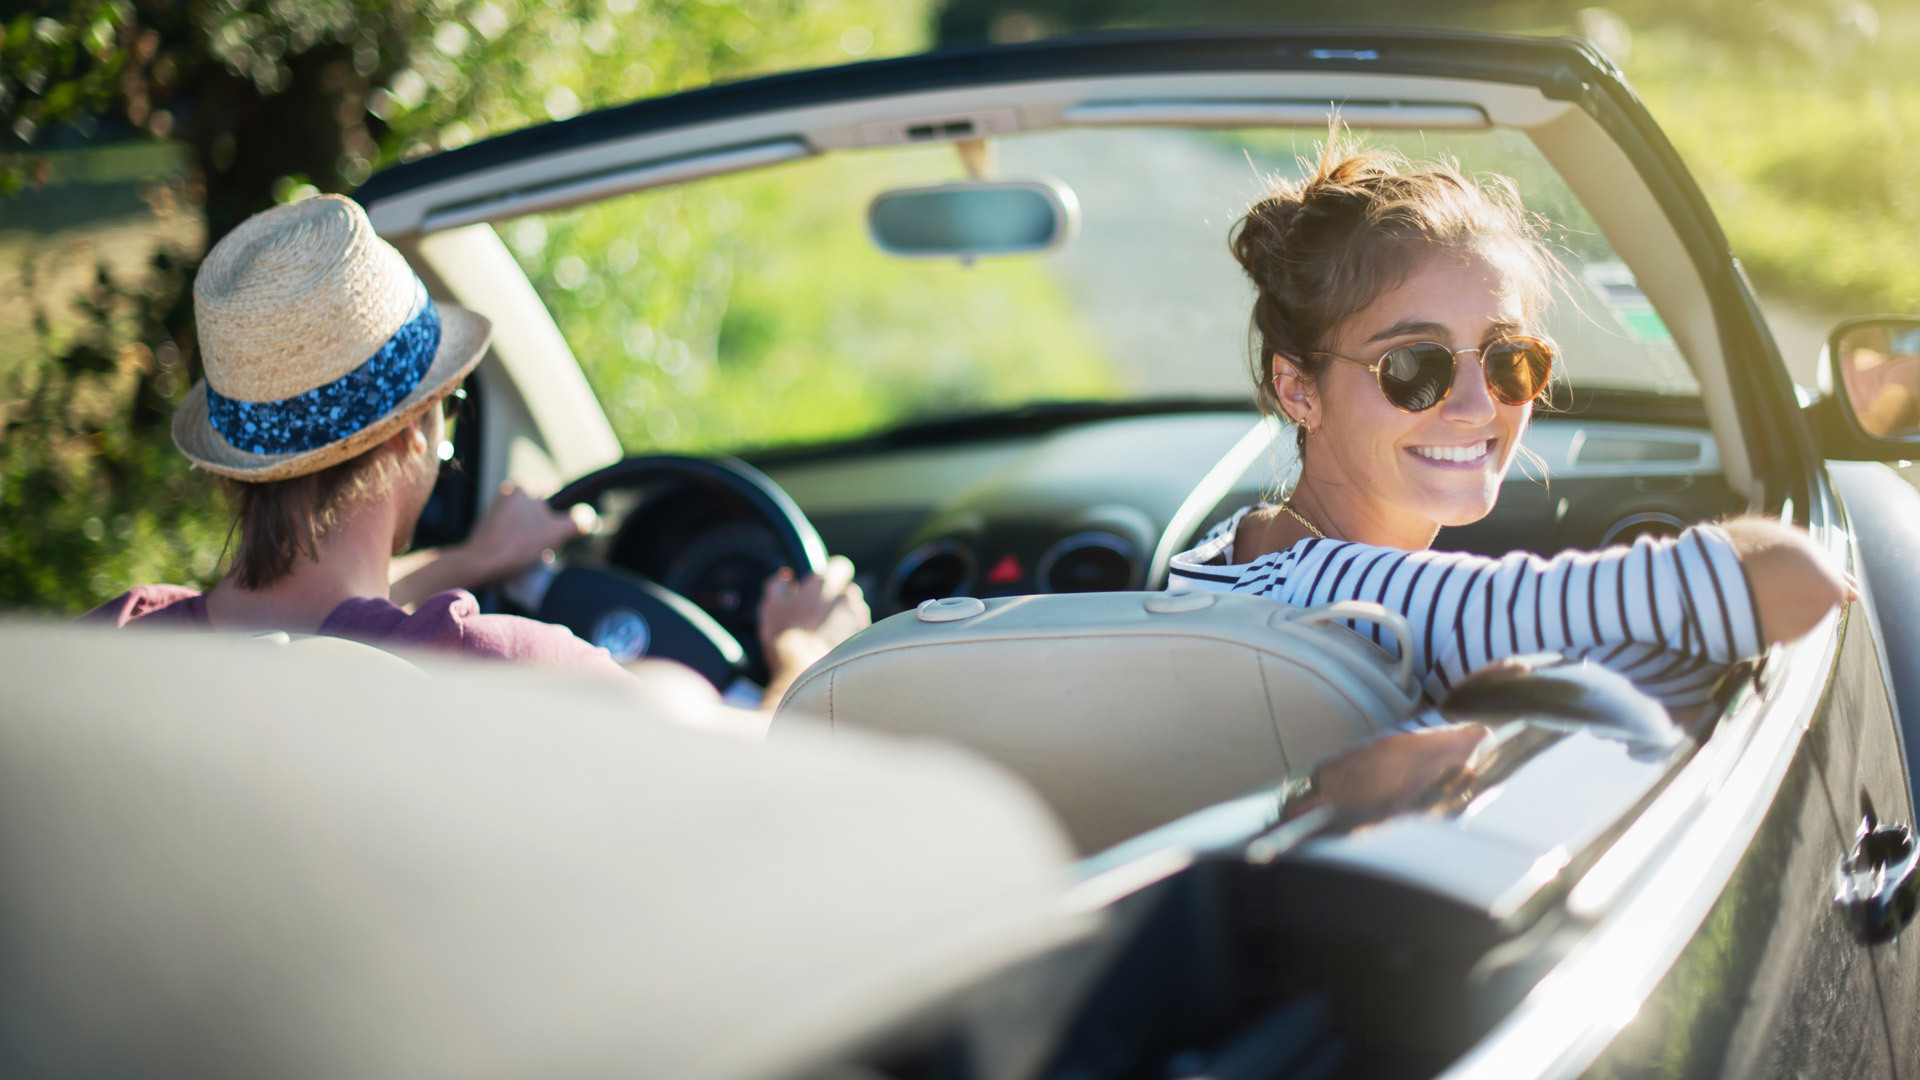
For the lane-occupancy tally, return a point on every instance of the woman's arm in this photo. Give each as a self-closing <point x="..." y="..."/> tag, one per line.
<point x="1667" y="613"/>
<point x="1793" y="583"/>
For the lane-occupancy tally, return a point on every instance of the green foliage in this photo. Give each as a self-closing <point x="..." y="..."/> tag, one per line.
<point x="141" y="62"/>
<point x="1807" y="148"/>
<point x="477" y="69"/>
<point x="318" y="93"/>
<point x="754" y="310"/>
<point x="93" y="494"/>
<point x="398" y="77"/>
<point x="55" y="67"/>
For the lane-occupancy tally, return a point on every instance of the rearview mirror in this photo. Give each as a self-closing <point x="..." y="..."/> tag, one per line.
<point x="1871" y="374"/>
<point x="966" y="220"/>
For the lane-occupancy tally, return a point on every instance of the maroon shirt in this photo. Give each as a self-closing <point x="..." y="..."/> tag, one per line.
<point x="449" y="621"/>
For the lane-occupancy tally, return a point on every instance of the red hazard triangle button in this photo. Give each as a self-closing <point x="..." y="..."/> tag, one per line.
<point x="1004" y="572"/>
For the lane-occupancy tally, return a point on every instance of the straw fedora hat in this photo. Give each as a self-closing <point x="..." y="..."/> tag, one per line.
<point x="318" y="342"/>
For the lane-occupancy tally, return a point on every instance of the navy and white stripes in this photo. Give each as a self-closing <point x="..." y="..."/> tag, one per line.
<point x="1671" y="615"/>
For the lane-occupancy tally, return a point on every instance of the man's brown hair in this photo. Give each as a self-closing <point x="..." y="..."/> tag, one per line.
<point x="281" y="520"/>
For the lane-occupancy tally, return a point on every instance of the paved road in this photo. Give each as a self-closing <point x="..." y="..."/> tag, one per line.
<point x="1151" y="274"/>
<point x="1149" y="271"/>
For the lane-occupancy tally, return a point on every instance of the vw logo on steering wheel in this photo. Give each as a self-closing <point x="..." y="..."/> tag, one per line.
<point x="624" y="633"/>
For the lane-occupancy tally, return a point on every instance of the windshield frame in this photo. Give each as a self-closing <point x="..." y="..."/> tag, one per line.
<point x="1689" y="273"/>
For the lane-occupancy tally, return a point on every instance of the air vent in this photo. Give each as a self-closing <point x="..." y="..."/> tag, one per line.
<point x="1608" y="448"/>
<point x="1088" y="562"/>
<point x="932" y="571"/>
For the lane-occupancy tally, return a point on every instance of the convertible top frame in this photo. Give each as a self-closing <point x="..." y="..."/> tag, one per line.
<point x="1561" y="92"/>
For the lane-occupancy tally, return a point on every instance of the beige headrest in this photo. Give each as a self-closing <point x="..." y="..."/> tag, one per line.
<point x="219" y="859"/>
<point x="1125" y="710"/>
<point x="330" y="646"/>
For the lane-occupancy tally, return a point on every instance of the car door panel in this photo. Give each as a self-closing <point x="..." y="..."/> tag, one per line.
<point x="1883" y="513"/>
<point x="1771" y="984"/>
<point x="1878" y="668"/>
<point x="1867" y="773"/>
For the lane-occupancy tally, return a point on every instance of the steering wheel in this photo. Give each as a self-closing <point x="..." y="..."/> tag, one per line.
<point x="633" y="616"/>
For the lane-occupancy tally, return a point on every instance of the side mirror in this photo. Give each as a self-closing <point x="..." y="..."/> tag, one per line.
<point x="968" y="220"/>
<point x="1869" y="408"/>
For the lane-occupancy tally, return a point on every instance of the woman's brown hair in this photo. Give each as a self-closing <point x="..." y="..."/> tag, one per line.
<point x="1319" y="250"/>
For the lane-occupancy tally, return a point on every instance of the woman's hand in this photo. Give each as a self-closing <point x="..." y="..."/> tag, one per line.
<point x="1793" y="582"/>
<point x="802" y="620"/>
<point x="1392" y="774"/>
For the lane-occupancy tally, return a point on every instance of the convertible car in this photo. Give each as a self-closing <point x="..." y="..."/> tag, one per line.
<point x="1608" y="890"/>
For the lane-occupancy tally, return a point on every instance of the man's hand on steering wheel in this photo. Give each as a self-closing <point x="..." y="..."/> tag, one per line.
<point x="616" y="605"/>
<point x="801" y="620"/>
<point x="517" y="531"/>
<point x="519" y="528"/>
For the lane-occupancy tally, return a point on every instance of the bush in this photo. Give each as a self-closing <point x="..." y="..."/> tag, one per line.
<point x="755" y="311"/>
<point x="93" y="494"/>
<point x="275" y="99"/>
<point x="1807" y="149"/>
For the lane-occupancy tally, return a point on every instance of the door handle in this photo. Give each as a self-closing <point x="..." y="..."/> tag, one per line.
<point x="1879" y="880"/>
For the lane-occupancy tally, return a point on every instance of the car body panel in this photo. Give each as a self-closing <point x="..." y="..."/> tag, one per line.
<point x="1770" y="984"/>
<point x="1773" y="983"/>
<point x="1884" y="513"/>
<point x="1650" y="894"/>
<point x="539" y="394"/>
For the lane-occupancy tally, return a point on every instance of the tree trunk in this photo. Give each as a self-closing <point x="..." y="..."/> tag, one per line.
<point x="245" y="142"/>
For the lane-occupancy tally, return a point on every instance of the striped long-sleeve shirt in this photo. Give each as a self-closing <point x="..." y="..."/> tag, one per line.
<point x="1671" y="615"/>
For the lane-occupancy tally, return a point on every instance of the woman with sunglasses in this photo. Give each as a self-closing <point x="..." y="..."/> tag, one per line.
<point x="1397" y="323"/>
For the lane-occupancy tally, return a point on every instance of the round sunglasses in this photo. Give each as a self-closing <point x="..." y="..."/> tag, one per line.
<point x="1416" y="377"/>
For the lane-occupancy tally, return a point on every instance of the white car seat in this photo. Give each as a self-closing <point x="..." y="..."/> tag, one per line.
<point x="1125" y="710"/>
<point x="220" y="858"/>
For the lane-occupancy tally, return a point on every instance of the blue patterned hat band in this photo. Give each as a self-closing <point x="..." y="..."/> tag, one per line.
<point x="327" y="414"/>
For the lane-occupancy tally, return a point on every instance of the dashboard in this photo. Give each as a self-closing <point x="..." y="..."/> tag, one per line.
<point x="1103" y="504"/>
<point x="1098" y="498"/>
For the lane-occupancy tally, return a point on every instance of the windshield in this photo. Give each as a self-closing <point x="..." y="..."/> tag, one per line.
<point x="755" y="310"/>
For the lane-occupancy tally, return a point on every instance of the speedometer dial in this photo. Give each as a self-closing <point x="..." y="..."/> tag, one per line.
<point x="723" y="571"/>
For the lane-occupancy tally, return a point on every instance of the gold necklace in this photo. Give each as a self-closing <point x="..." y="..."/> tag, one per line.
<point x="1287" y="505"/>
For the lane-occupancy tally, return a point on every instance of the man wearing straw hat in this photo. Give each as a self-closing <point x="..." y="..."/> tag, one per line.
<point x="326" y="366"/>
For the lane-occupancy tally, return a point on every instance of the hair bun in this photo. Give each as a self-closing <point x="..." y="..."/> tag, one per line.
<point x="1339" y="167"/>
<point x="1343" y="179"/>
<point x="1259" y="239"/>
